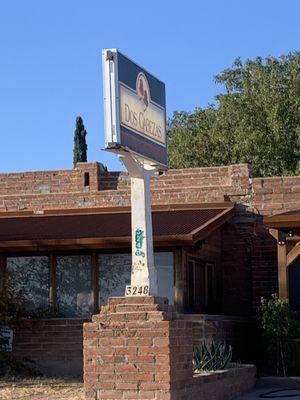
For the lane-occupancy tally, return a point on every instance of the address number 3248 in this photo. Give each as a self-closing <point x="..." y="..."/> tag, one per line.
<point x="137" y="290"/>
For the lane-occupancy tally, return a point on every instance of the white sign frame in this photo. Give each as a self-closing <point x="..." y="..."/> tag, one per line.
<point x="112" y="114"/>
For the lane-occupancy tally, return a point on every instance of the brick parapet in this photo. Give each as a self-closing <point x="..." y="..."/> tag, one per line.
<point x="42" y="190"/>
<point x="64" y="189"/>
<point x="275" y="195"/>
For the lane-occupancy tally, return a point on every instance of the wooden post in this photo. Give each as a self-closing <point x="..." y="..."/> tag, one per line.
<point x="2" y="272"/>
<point x="283" y="290"/>
<point x="52" y="289"/>
<point x="282" y="272"/>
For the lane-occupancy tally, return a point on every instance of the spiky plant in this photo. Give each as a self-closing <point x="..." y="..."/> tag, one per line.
<point x="211" y="357"/>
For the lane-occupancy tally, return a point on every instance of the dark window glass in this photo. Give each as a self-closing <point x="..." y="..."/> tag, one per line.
<point x="74" y="292"/>
<point x="200" y="286"/>
<point x="29" y="277"/>
<point x="114" y="275"/>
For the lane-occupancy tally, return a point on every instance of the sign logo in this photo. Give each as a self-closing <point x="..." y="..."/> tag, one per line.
<point x="139" y="113"/>
<point x="143" y="90"/>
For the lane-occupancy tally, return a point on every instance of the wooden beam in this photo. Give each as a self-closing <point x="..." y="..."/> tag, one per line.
<point x="2" y="272"/>
<point x="95" y="282"/>
<point x="293" y="254"/>
<point x="274" y="233"/>
<point x="89" y="243"/>
<point x="283" y="220"/>
<point x="294" y="238"/>
<point x="282" y="272"/>
<point x="52" y="288"/>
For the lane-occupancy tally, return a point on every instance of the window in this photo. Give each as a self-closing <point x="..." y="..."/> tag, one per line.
<point x="86" y="179"/>
<point x="75" y="285"/>
<point x="200" y="286"/>
<point x="74" y="293"/>
<point x="164" y="263"/>
<point x="114" y="275"/>
<point x="29" y="277"/>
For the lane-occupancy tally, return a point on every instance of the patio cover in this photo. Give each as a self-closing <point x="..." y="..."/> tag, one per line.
<point x="108" y="228"/>
<point x="285" y="228"/>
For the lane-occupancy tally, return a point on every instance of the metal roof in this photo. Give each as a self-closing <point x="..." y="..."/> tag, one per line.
<point x="177" y="226"/>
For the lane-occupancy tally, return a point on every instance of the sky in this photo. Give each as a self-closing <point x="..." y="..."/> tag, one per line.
<point x="51" y="72"/>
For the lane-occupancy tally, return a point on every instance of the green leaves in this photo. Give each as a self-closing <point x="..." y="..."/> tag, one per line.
<point x="278" y="328"/>
<point x="256" y="120"/>
<point x="211" y="357"/>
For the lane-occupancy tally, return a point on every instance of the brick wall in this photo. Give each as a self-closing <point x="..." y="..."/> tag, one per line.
<point x="235" y="331"/>
<point x="138" y="348"/>
<point x="52" y="189"/>
<point x="41" y="190"/>
<point x="276" y="195"/>
<point x="55" y="345"/>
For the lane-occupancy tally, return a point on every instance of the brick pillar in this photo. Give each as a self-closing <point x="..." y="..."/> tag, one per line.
<point x="137" y="348"/>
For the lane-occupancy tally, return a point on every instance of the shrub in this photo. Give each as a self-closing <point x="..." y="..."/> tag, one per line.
<point x="279" y="327"/>
<point x="211" y="357"/>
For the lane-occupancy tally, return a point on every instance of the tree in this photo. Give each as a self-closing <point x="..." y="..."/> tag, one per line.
<point x="80" y="146"/>
<point x="255" y="120"/>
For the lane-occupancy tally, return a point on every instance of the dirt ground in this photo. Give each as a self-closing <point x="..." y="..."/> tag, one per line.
<point x="41" y="389"/>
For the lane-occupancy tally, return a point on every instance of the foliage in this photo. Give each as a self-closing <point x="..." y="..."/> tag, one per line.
<point x="278" y="329"/>
<point x="13" y="314"/>
<point x="211" y="357"/>
<point x="256" y="120"/>
<point x="11" y="308"/>
<point x="11" y="366"/>
<point x="80" y="146"/>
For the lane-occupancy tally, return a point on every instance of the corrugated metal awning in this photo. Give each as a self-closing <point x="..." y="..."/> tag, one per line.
<point x="98" y="229"/>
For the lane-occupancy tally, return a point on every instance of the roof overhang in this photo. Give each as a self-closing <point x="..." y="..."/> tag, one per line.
<point x="109" y="228"/>
<point x="285" y="222"/>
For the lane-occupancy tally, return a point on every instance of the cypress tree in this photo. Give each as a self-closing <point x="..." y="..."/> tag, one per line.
<point x="80" y="146"/>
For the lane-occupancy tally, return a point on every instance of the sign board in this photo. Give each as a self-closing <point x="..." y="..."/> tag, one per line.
<point x="6" y="339"/>
<point x="135" y="109"/>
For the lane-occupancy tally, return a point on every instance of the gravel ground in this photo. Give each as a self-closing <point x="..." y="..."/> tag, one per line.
<point x="41" y="389"/>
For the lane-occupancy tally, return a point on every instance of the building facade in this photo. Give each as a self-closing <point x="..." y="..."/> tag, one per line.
<point x="65" y="246"/>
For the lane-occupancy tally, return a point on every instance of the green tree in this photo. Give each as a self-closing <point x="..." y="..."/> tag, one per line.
<point x="279" y="328"/>
<point x="80" y="146"/>
<point x="255" y="120"/>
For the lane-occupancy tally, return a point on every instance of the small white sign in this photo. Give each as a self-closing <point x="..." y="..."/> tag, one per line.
<point x="6" y="339"/>
<point x="137" y="290"/>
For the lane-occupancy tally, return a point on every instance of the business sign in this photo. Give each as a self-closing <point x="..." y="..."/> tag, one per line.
<point x="135" y="109"/>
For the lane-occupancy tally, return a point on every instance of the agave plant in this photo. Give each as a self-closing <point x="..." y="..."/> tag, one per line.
<point x="211" y="357"/>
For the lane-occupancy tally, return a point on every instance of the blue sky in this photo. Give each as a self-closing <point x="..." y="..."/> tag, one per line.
<point x="50" y="63"/>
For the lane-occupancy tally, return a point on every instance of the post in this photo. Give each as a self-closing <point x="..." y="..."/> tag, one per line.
<point x="282" y="272"/>
<point x="143" y="271"/>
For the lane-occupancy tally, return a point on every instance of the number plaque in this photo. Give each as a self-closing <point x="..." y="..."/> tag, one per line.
<point x="137" y="290"/>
